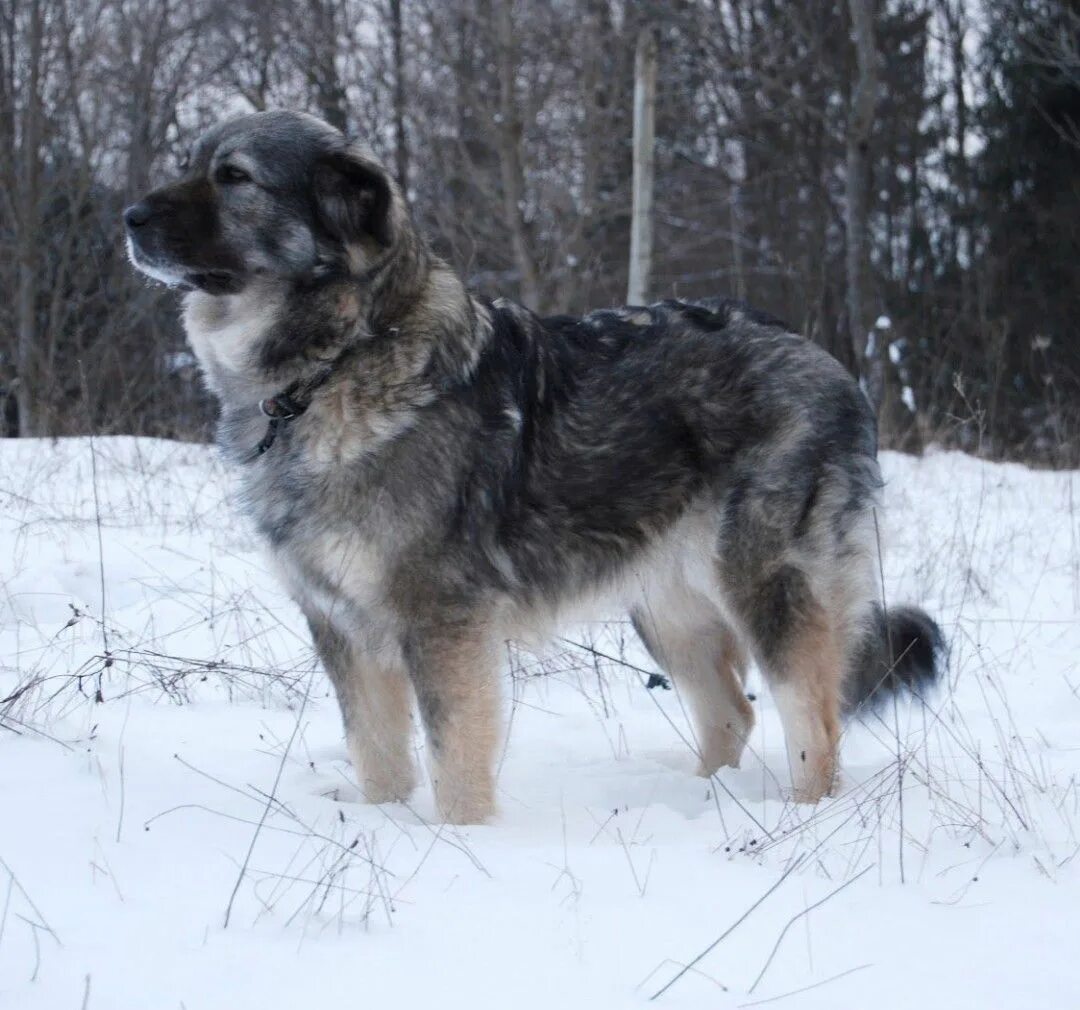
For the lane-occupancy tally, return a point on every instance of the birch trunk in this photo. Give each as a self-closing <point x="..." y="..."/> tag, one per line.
<point x="857" y="214"/>
<point x="641" y="220"/>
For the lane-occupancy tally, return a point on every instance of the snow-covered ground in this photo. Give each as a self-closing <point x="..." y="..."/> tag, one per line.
<point x="179" y="828"/>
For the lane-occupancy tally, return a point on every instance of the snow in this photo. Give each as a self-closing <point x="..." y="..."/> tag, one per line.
<point x="136" y="796"/>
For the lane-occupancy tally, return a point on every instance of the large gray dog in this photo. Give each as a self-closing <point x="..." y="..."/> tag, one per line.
<point x="435" y="474"/>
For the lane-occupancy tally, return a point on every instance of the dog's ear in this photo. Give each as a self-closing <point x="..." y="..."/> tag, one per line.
<point x="353" y="197"/>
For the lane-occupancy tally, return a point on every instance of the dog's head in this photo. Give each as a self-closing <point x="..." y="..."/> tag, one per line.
<point x="277" y="194"/>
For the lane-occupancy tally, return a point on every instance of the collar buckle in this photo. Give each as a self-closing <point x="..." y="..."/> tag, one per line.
<point x="279" y="408"/>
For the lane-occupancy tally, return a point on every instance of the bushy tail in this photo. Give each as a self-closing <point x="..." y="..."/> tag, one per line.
<point x="904" y="651"/>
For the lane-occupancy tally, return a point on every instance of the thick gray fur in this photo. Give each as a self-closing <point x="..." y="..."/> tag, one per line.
<point x="466" y="471"/>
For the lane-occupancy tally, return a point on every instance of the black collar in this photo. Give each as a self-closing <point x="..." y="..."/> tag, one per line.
<point x="281" y="409"/>
<point x="292" y="401"/>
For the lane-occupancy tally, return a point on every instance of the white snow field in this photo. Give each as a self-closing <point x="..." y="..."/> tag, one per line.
<point x="179" y="827"/>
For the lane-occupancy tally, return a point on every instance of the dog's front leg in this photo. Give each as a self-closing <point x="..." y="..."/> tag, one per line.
<point x="455" y="674"/>
<point x="376" y="705"/>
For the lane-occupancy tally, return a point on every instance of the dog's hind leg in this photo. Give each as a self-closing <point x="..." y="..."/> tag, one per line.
<point x="455" y="674"/>
<point x="806" y="688"/>
<point x="802" y="649"/>
<point x="376" y="704"/>
<point x="690" y="641"/>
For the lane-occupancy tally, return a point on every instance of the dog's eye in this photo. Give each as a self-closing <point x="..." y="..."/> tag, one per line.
<point x="230" y="173"/>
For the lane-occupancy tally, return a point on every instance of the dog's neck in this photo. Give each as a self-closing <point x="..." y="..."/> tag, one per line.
<point x="409" y="316"/>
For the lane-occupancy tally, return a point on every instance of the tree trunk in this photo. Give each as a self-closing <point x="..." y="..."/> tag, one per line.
<point x="29" y="394"/>
<point x="641" y="219"/>
<point x="401" y="151"/>
<point x="323" y="72"/>
<point x="857" y="184"/>
<point x="510" y="166"/>
<point x="956" y="17"/>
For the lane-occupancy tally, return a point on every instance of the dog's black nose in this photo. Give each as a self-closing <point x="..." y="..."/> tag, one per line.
<point x="137" y="215"/>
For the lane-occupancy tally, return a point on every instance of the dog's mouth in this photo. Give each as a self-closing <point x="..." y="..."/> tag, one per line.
<point x="175" y="275"/>
<point x="213" y="282"/>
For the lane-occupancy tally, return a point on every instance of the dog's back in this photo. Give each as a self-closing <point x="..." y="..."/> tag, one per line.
<point x="723" y="472"/>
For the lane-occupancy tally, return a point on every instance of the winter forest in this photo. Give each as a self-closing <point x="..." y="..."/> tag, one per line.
<point x="183" y="824"/>
<point x="895" y="179"/>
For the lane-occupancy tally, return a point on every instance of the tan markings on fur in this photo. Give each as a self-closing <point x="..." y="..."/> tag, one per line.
<point x="348" y="307"/>
<point x="353" y="418"/>
<point x="361" y="255"/>
<point x="735" y="721"/>
<point x="808" y="698"/>
<point x="469" y="730"/>
<point x="444" y="297"/>
<point x="445" y="306"/>
<point x="702" y="655"/>
<point x="341" y="433"/>
<point x="378" y="702"/>
<point x="379" y="730"/>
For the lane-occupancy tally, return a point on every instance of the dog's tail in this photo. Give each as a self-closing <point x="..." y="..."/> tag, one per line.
<point x="903" y="650"/>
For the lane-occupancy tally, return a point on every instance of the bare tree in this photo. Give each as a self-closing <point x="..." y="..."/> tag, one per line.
<point x="641" y="230"/>
<point x="509" y="135"/>
<point x="401" y="150"/>
<point x="818" y="180"/>
<point x="25" y="202"/>
<point x="857" y="188"/>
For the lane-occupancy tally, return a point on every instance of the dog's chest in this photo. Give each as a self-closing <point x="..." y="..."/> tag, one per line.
<point x="339" y="534"/>
<point x="339" y="575"/>
<point x="224" y="334"/>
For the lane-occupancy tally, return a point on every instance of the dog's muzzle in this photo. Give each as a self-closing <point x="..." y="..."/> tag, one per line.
<point x="146" y="254"/>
